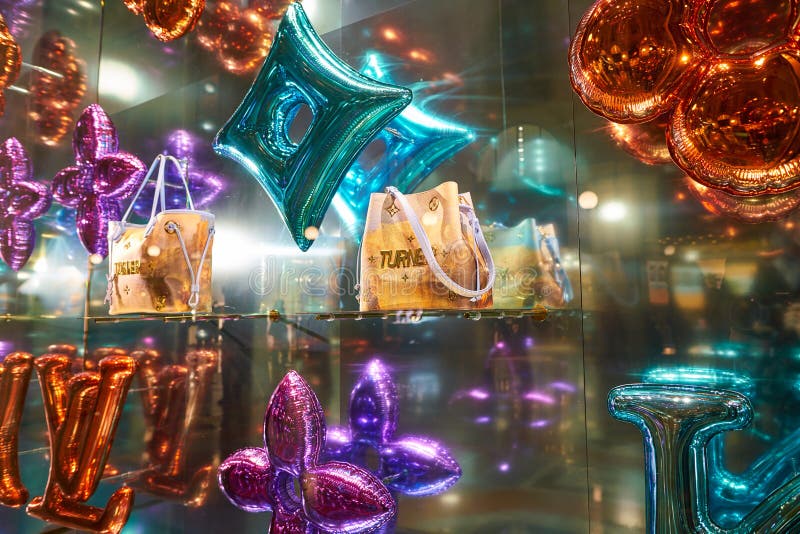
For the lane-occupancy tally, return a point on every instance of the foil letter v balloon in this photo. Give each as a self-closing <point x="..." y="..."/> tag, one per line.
<point x="15" y="375"/>
<point x="82" y="413"/>
<point x="677" y="423"/>
<point x="348" y="110"/>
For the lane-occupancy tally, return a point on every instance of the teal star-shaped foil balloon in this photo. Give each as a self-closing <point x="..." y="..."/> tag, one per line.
<point x="416" y="143"/>
<point x="348" y="110"/>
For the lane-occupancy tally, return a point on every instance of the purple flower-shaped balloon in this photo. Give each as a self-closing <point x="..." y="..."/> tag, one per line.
<point x="101" y="178"/>
<point x="330" y="497"/>
<point x="21" y="201"/>
<point x="411" y="465"/>
<point x="204" y="185"/>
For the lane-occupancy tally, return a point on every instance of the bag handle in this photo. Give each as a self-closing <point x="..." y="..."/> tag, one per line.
<point x="559" y="273"/>
<point x="194" y="296"/>
<point x="427" y="250"/>
<point x="159" y="197"/>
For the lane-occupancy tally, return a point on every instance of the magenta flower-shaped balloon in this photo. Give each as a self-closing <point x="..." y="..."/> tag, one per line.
<point x="331" y="497"/>
<point x="411" y="465"/>
<point x="101" y="177"/>
<point x="21" y="201"/>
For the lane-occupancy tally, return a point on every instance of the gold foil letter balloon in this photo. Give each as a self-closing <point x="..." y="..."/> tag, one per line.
<point x="82" y="412"/>
<point x="168" y="20"/>
<point x="15" y="375"/>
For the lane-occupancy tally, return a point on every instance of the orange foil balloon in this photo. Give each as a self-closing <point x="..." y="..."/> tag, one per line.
<point x="182" y="391"/>
<point x="15" y="375"/>
<point x="272" y="9"/>
<point x="740" y="129"/>
<point x="646" y="141"/>
<point x="752" y="209"/>
<point x="741" y="27"/>
<point x="10" y="60"/>
<point x="82" y="413"/>
<point x="134" y="6"/>
<point x="239" y="39"/>
<point x="171" y="19"/>
<point x="629" y="59"/>
<point x="148" y="365"/>
<point x="55" y="98"/>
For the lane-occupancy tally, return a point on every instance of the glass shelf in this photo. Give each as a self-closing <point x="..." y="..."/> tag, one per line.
<point x="401" y="316"/>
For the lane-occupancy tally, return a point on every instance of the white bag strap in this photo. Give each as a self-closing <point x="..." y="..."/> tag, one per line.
<point x="159" y="196"/>
<point x="194" y="297"/>
<point x="427" y="251"/>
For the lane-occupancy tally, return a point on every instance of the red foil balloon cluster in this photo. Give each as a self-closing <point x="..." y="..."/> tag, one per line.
<point x="56" y="91"/>
<point x="240" y="38"/>
<point x="722" y="75"/>
<point x="10" y="60"/>
<point x="168" y="20"/>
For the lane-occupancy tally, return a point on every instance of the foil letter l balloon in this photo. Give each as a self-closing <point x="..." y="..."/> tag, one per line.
<point x="677" y="423"/>
<point x="348" y="110"/>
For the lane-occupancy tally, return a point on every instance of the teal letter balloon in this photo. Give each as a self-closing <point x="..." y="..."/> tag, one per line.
<point x="348" y="110"/>
<point x="677" y="423"/>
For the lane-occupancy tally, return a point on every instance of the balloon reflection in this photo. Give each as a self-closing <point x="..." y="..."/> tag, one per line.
<point x="403" y="154"/>
<point x="204" y="185"/>
<point x="15" y="375"/>
<point x="82" y="412"/>
<point x="677" y="422"/>
<point x="22" y="200"/>
<point x="172" y="396"/>
<point x="508" y="401"/>
<point x="10" y="61"/>
<point x="752" y="209"/>
<point x="646" y="141"/>
<point x="239" y="37"/>
<point x="55" y="95"/>
<point x="410" y="465"/>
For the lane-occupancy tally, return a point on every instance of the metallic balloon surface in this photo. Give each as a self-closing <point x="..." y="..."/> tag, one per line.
<point x="22" y="200"/>
<point x="407" y="151"/>
<point x="411" y="465"/>
<point x="334" y="496"/>
<point x="168" y="20"/>
<point x="348" y="110"/>
<point x="677" y="422"/>
<point x="54" y="98"/>
<point x="204" y="184"/>
<point x="101" y="177"/>
<point x="239" y="38"/>
<point x="722" y="75"/>
<point x="750" y="209"/>
<point x="82" y="412"/>
<point x="172" y="396"/>
<point x="630" y="59"/>
<point x="732" y="495"/>
<point x="646" y="141"/>
<point x="15" y="375"/>
<point x="10" y="60"/>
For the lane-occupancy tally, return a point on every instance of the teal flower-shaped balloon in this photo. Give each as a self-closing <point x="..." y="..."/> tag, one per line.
<point x="348" y="110"/>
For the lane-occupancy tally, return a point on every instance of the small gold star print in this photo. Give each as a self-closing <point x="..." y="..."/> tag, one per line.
<point x="127" y="290"/>
<point x="392" y="210"/>
<point x="372" y="259"/>
<point x="127" y="244"/>
<point x="405" y="278"/>
<point x="411" y="238"/>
